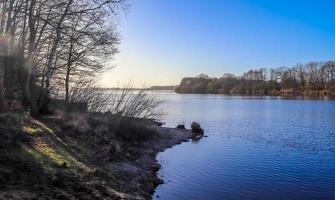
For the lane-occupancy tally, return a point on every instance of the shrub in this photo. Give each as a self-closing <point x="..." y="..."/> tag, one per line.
<point x="131" y="131"/>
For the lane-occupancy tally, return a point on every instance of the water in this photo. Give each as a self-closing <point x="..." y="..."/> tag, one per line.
<point x="258" y="148"/>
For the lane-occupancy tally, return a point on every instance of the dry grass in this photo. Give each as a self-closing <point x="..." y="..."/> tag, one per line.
<point x="131" y="131"/>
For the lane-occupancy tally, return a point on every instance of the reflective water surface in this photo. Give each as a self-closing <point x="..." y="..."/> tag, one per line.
<point x="258" y="148"/>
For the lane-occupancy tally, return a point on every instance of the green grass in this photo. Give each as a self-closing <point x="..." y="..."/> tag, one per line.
<point x="32" y="130"/>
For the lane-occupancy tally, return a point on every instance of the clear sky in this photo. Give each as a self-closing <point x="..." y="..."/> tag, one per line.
<point x="165" y="40"/>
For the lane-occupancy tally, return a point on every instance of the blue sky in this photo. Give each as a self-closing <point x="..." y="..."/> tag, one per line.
<point x="165" y="40"/>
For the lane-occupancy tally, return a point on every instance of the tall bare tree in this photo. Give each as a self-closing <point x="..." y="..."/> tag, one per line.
<point x="53" y="40"/>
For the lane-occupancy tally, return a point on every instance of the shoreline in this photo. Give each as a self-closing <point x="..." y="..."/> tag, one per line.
<point x="52" y="159"/>
<point x="145" y="169"/>
<point x="266" y="95"/>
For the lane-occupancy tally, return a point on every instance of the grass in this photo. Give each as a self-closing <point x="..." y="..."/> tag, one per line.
<point x="39" y="140"/>
<point x="131" y="131"/>
<point x="34" y="151"/>
<point x="32" y="130"/>
<point x="106" y="127"/>
<point x="48" y="157"/>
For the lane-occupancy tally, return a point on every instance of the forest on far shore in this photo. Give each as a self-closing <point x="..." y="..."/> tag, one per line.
<point x="310" y="79"/>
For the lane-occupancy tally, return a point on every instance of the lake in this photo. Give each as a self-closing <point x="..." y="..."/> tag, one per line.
<point x="257" y="148"/>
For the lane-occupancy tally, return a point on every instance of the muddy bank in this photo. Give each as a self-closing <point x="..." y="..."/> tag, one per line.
<point x="87" y="156"/>
<point x="143" y="171"/>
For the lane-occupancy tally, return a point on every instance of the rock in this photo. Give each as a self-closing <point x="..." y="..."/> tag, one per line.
<point x="157" y="181"/>
<point x="181" y="126"/>
<point x="196" y="129"/>
<point x="196" y="138"/>
<point x="156" y="167"/>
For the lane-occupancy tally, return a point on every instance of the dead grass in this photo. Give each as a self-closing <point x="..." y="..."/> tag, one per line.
<point x="131" y="131"/>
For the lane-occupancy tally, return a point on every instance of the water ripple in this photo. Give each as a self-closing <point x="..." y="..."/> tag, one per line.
<point x="257" y="149"/>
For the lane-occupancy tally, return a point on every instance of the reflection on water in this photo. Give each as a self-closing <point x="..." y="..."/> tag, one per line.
<point x="258" y="148"/>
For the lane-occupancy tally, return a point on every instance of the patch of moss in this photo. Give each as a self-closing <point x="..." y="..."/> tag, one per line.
<point x="49" y="157"/>
<point x="32" y="130"/>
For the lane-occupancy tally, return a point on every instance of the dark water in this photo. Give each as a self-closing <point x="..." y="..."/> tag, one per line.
<point x="258" y="148"/>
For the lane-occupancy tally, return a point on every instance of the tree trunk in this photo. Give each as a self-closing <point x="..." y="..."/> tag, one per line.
<point x="68" y="71"/>
<point x="54" y="49"/>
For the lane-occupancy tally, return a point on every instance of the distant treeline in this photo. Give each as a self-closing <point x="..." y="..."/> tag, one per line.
<point x="310" y="79"/>
<point x="168" y="87"/>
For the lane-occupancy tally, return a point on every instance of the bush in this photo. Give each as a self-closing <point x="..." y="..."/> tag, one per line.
<point x="131" y="131"/>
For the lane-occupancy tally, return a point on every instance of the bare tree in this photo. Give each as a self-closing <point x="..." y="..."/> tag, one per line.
<point x="55" y="40"/>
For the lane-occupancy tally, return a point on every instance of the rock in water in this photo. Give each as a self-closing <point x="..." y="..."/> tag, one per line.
<point x="196" y="129"/>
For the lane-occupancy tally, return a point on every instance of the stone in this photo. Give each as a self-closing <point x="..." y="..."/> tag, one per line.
<point x="181" y="126"/>
<point x="196" y="128"/>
